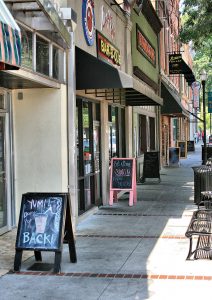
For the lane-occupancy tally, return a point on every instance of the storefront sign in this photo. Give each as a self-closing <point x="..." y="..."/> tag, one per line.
<point x="151" y="168"/>
<point x="195" y="92"/>
<point x="210" y="102"/>
<point x="144" y="46"/>
<point x="88" y="21"/>
<point x="175" y="64"/>
<point x="43" y="219"/>
<point x="123" y="177"/>
<point x="107" y="51"/>
<point x="107" y="21"/>
<point x="10" y="46"/>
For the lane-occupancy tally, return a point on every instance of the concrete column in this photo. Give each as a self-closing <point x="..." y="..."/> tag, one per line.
<point x="129" y="131"/>
<point x="105" y="152"/>
<point x="71" y="123"/>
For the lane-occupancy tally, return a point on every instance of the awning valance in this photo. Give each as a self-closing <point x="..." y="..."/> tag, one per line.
<point x="111" y="83"/>
<point x="10" y="40"/>
<point x="171" y="103"/>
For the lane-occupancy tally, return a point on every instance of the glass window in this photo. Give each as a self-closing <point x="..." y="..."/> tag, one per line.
<point x="87" y="153"/>
<point x="42" y="56"/>
<point x="142" y="135"/>
<point x="175" y="129"/>
<point x="152" y="133"/>
<point x="55" y="63"/>
<point x="27" y="51"/>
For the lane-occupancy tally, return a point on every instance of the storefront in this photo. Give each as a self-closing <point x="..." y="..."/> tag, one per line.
<point x="104" y="83"/>
<point x="10" y="59"/>
<point x="145" y="61"/>
<point x="33" y="107"/>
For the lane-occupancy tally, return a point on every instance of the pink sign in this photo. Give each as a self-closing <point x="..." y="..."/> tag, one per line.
<point x="123" y="177"/>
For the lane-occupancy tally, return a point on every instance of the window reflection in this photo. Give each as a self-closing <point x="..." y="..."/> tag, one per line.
<point x="42" y="56"/>
<point x="27" y="52"/>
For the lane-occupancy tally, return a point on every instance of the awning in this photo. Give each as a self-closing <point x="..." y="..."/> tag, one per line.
<point x="107" y="81"/>
<point x="42" y="16"/>
<point x="177" y="65"/>
<point x="171" y="103"/>
<point x="10" y="40"/>
<point x="188" y="74"/>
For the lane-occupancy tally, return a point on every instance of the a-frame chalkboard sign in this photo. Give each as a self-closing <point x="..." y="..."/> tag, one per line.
<point x="151" y="167"/>
<point x="123" y="178"/>
<point x="44" y="225"/>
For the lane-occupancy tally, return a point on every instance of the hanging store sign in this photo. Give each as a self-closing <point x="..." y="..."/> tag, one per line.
<point x="144" y="46"/>
<point x="175" y="64"/>
<point x="210" y="102"/>
<point x="106" y="51"/>
<point x="10" y="47"/>
<point x="195" y="86"/>
<point x="88" y="21"/>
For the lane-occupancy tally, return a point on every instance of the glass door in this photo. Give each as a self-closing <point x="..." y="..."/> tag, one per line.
<point x="3" y="198"/>
<point x="5" y="179"/>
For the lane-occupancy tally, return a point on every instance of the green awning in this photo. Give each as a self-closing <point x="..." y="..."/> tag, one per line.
<point x="172" y="105"/>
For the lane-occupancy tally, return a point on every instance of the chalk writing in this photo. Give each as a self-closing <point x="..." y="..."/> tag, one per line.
<point x="40" y="223"/>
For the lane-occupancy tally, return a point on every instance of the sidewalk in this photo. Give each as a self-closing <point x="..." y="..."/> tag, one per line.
<point x="123" y="252"/>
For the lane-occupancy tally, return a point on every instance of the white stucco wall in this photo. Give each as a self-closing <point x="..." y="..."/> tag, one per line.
<point x="40" y="142"/>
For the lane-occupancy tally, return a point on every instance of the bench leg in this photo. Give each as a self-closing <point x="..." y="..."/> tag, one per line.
<point x="190" y="249"/>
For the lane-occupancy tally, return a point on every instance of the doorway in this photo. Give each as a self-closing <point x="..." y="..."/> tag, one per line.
<point x="5" y="164"/>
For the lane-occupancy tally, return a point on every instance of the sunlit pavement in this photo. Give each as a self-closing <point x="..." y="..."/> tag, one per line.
<point x="123" y="252"/>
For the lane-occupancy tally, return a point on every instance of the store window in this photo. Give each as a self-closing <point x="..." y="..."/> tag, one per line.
<point x="88" y="154"/>
<point x="175" y="129"/>
<point x="42" y="56"/>
<point x="117" y="141"/>
<point x="142" y="141"/>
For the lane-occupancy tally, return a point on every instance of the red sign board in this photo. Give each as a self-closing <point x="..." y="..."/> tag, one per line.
<point x="106" y="51"/>
<point x="144" y="46"/>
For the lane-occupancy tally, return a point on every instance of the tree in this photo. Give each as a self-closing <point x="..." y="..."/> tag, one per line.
<point x="196" y="22"/>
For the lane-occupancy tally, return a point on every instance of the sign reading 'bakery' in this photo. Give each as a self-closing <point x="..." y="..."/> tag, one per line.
<point x="107" y="51"/>
<point x="144" y="46"/>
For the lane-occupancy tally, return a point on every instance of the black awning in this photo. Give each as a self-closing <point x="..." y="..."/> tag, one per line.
<point x="92" y="73"/>
<point x="189" y="76"/>
<point x="177" y="65"/>
<point x="110" y="82"/>
<point x="171" y="103"/>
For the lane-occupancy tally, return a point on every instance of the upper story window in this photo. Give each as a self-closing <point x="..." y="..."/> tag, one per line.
<point x="49" y="58"/>
<point x="27" y="51"/>
<point x="42" y="56"/>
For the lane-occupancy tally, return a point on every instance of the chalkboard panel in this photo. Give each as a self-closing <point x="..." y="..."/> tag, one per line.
<point x="174" y="156"/>
<point x="41" y="221"/>
<point x="190" y="146"/>
<point x="151" y="165"/>
<point x="122" y="171"/>
<point x="183" y="148"/>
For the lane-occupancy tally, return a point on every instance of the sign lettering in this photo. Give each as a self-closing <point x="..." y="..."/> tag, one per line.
<point x="107" y="22"/>
<point x="145" y="47"/>
<point x="106" y="51"/>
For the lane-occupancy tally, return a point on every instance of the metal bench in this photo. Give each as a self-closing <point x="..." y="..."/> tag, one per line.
<point x="206" y="200"/>
<point x="201" y="229"/>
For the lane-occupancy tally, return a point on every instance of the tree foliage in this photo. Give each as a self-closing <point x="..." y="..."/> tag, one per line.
<point x="196" y="22"/>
